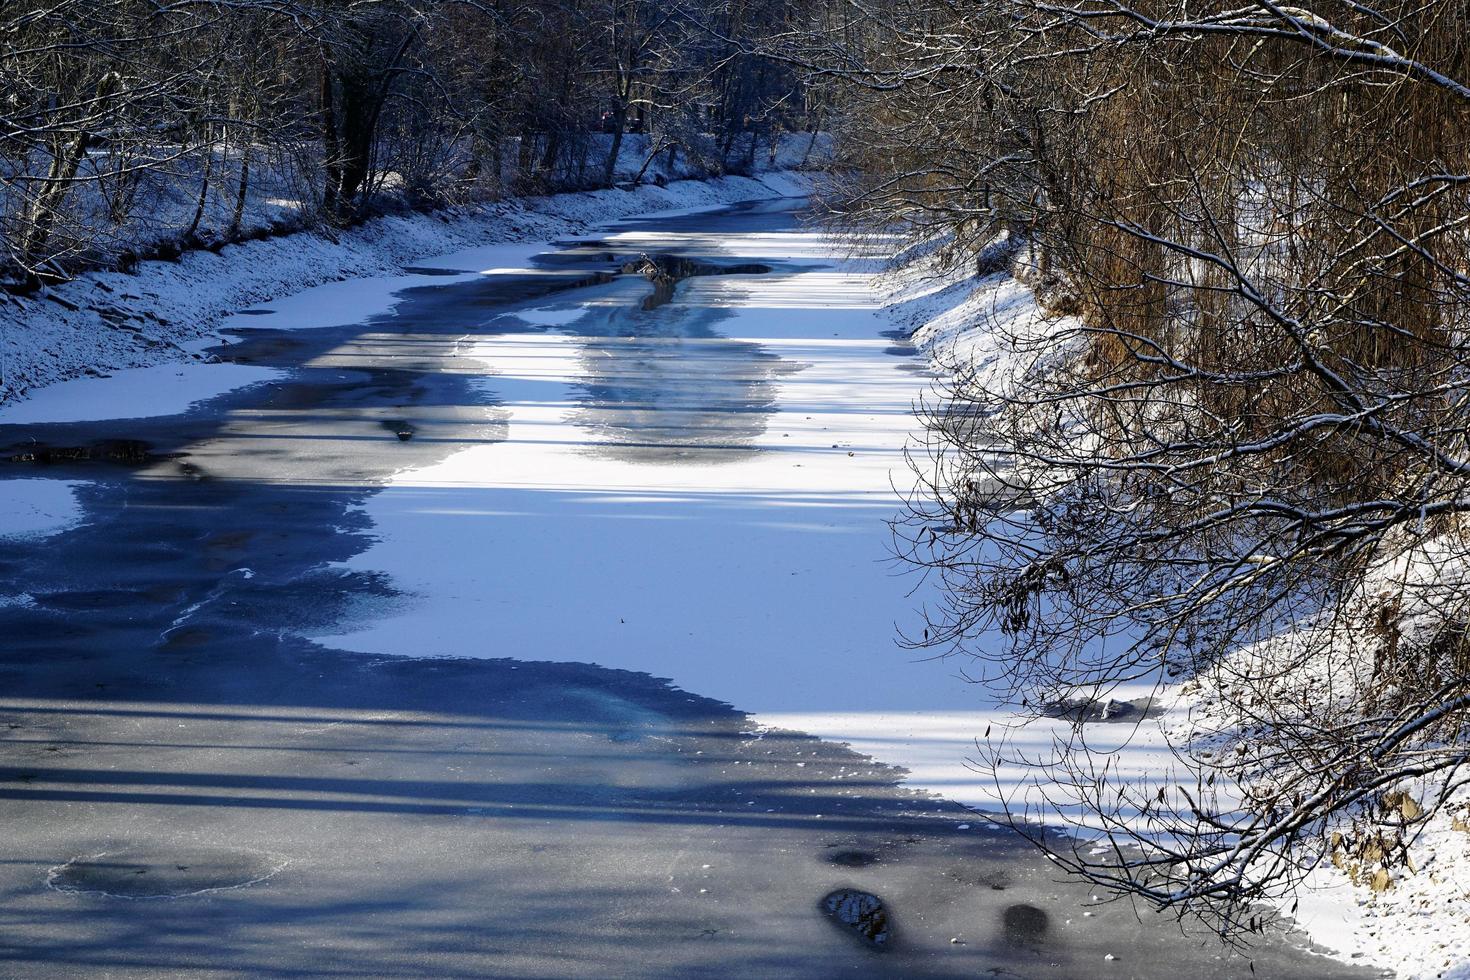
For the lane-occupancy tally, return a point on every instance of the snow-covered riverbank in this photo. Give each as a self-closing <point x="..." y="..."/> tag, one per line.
<point x="1420" y="927"/>
<point x="167" y="311"/>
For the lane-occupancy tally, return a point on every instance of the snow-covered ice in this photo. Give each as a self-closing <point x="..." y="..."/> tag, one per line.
<point x="35" y="506"/>
<point x="355" y="300"/>
<point x="765" y="580"/>
<point x="134" y="393"/>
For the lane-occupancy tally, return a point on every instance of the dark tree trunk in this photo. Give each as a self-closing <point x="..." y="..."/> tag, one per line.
<point x="352" y="105"/>
<point x="203" y="189"/>
<point x="331" y="152"/>
<point x="620" y="122"/>
<point x="241" y="190"/>
<point x="66" y="157"/>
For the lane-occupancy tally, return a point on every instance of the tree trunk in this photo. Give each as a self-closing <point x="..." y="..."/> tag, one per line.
<point x="238" y="217"/>
<point x="807" y="156"/>
<point x="620" y="121"/>
<point x="525" y="158"/>
<point x="66" y="157"/>
<point x="553" y="150"/>
<point x="653" y="155"/>
<point x="331" y="152"/>
<point x="203" y="188"/>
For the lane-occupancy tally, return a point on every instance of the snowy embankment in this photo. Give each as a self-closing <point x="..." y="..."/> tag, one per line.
<point x="164" y="312"/>
<point x="1420" y="926"/>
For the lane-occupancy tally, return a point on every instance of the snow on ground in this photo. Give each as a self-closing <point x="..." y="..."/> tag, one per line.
<point x="355" y="300"/>
<point x="134" y="393"/>
<point x="1420" y="925"/>
<point x="1418" y="928"/>
<point x="36" y="507"/>
<point x="165" y="203"/>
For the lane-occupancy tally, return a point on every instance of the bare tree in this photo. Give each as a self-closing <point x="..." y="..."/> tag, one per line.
<point x="1235" y="447"/>
<point x="132" y="128"/>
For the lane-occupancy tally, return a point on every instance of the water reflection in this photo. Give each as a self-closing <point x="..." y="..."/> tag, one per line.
<point x="662" y="386"/>
<point x="654" y="382"/>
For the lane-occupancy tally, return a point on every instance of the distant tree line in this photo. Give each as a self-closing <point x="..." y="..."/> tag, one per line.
<point x="176" y="123"/>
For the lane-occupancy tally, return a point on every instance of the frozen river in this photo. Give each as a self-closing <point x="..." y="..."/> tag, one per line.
<point x="357" y="659"/>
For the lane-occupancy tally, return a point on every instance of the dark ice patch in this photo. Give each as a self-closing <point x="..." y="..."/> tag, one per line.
<point x="400" y="428"/>
<point x="131" y="451"/>
<point x="1025" y="925"/>
<point x="861" y="913"/>
<point x="158" y="872"/>
<point x="848" y="858"/>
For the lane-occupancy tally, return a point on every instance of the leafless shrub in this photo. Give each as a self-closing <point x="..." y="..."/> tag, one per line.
<point x="1240" y="425"/>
